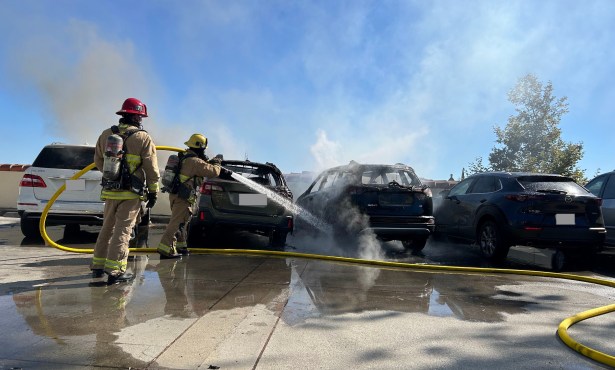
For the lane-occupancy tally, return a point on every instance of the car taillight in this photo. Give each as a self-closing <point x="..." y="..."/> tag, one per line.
<point x="32" y="181"/>
<point x="207" y="188"/>
<point x="596" y="201"/>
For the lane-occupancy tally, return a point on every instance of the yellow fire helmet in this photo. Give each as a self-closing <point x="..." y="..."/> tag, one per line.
<point x="197" y="141"/>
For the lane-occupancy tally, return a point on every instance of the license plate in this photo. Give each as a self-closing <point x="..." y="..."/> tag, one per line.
<point x="75" y="185"/>
<point x="395" y="199"/>
<point x="564" y="219"/>
<point x="252" y="200"/>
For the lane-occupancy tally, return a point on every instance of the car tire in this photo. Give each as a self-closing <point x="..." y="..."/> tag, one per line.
<point x="29" y="227"/>
<point x="416" y="245"/>
<point x="71" y="230"/>
<point x="491" y="242"/>
<point x="194" y="238"/>
<point x="277" y="239"/>
<point x="559" y="261"/>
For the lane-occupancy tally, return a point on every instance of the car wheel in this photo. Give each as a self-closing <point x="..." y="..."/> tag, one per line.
<point x="194" y="238"/>
<point x="559" y="261"/>
<point x="415" y="245"/>
<point x="29" y="227"/>
<point x="72" y="230"/>
<point x="277" y="239"/>
<point x="491" y="243"/>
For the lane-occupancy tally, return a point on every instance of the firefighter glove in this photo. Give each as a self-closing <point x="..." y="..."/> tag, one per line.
<point x="224" y="171"/>
<point x="151" y="200"/>
<point x="216" y="161"/>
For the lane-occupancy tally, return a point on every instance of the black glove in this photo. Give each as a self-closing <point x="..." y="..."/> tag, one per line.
<point x="225" y="172"/>
<point x="151" y="200"/>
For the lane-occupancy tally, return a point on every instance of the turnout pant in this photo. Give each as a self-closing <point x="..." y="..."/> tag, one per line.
<point x="174" y="236"/>
<point x="111" y="250"/>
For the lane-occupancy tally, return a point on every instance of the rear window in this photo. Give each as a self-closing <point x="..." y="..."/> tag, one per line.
<point x="261" y="175"/>
<point x="385" y="175"/>
<point x="65" y="157"/>
<point x="551" y="184"/>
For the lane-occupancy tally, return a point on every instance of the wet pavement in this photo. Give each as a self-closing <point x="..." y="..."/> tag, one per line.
<point x="251" y="312"/>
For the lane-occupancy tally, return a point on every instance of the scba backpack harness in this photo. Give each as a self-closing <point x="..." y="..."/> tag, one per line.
<point x="116" y="171"/>
<point x="171" y="181"/>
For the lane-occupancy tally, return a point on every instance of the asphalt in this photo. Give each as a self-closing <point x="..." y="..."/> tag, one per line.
<point x="222" y="311"/>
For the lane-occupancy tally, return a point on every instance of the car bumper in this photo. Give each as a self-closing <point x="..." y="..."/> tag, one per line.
<point x="207" y="219"/>
<point x="560" y="237"/>
<point x="402" y="233"/>
<point x="59" y="218"/>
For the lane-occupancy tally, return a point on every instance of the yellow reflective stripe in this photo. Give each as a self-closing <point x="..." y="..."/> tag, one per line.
<point x="133" y="162"/>
<point x="184" y="178"/>
<point x="180" y="245"/>
<point x="116" y="265"/>
<point x="164" y="248"/>
<point x="98" y="262"/>
<point x="118" y="195"/>
<point x="153" y="188"/>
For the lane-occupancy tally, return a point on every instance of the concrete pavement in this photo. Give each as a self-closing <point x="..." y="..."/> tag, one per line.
<point x="249" y="312"/>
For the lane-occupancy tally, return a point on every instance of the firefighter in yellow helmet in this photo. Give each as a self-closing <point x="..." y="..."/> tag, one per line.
<point x="126" y="155"/>
<point x="193" y="168"/>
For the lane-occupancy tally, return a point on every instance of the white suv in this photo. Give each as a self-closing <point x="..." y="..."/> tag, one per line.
<point x="79" y="204"/>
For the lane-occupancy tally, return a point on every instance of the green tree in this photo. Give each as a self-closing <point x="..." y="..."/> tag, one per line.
<point x="531" y="140"/>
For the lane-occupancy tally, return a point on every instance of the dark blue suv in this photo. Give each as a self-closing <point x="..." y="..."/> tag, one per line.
<point x="500" y="209"/>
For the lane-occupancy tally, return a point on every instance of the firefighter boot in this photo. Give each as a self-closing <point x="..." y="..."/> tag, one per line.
<point x="121" y="278"/>
<point x="167" y="252"/>
<point x="97" y="273"/>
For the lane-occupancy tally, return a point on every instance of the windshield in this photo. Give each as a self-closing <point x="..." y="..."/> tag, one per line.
<point x="65" y="157"/>
<point x="383" y="176"/>
<point x="551" y="184"/>
<point x="261" y="175"/>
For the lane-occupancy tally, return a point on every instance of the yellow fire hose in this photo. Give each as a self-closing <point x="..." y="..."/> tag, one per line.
<point x="562" y="329"/>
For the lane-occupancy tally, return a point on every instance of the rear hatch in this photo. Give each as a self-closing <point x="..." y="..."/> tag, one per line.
<point x="231" y="196"/>
<point x="391" y="200"/>
<point x="56" y="165"/>
<point x="554" y="201"/>
<point x="390" y="194"/>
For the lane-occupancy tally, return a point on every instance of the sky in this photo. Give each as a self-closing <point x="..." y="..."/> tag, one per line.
<point x="306" y="85"/>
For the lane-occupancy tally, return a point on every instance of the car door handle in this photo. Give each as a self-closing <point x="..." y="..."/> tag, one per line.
<point x="483" y="200"/>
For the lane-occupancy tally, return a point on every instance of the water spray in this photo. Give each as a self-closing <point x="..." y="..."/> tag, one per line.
<point x="284" y="202"/>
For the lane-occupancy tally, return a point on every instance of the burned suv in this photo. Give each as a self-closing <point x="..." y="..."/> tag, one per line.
<point x="227" y="205"/>
<point x="390" y="200"/>
<point x="79" y="204"/>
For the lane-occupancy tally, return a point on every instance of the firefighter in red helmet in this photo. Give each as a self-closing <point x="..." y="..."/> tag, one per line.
<point x="130" y="176"/>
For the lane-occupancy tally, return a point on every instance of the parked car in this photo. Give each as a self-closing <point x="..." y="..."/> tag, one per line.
<point x="227" y="205"/>
<point x="500" y="209"/>
<point x="79" y="204"/>
<point x="603" y="186"/>
<point x="390" y="200"/>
